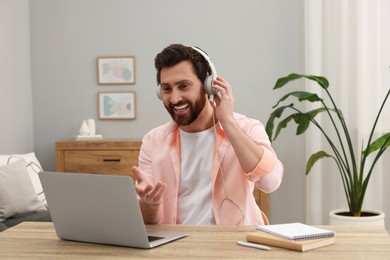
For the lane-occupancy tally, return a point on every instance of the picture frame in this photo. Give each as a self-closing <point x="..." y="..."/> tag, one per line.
<point x="116" y="70"/>
<point x="116" y="105"/>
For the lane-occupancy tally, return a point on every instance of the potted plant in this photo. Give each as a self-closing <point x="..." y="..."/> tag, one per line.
<point x="355" y="171"/>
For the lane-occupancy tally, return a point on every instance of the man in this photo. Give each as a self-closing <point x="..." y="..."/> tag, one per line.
<point x="201" y="168"/>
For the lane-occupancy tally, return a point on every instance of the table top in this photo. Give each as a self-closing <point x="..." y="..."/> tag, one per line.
<point x="38" y="240"/>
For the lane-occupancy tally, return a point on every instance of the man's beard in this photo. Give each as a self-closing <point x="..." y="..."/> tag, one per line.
<point x="194" y="111"/>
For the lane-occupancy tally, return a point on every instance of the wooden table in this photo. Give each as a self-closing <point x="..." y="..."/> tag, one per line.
<point x="37" y="240"/>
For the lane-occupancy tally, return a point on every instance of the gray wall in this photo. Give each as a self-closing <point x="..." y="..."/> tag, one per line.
<point x="251" y="43"/>
<point x="16" y="127"/>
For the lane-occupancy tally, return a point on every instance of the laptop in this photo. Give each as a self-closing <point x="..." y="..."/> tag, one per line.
<point x="99" y="208"/>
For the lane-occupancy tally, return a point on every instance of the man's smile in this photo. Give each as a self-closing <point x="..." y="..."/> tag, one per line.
<point x="181" y="108"/>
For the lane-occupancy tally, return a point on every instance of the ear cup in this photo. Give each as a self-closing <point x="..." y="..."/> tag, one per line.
<point x="158" y="92"/>
<point x="208" y="83"/>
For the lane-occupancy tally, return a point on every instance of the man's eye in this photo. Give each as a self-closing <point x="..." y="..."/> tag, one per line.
<point x="165" y="89"/>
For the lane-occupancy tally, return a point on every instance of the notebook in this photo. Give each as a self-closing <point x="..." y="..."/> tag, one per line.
<point x="297" y="245"/>
<point x="99" y="208"/>
<point x="296" y="231"/>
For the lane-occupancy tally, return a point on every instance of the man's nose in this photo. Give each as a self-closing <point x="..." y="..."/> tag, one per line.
<point x="175" y="96"/>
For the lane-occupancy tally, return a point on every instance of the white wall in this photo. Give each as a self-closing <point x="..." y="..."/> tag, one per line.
<point x="16" y="117"/>
<point x="251" y="43"/>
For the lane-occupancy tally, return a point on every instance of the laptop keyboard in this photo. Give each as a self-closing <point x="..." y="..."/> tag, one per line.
<point x="154" y="238"/>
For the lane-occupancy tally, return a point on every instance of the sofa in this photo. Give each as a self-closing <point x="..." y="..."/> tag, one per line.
<point x="21" y="193"/>
<point x="43" y="216"/>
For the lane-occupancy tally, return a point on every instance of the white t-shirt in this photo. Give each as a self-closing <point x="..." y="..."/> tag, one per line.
<point x="195" y="204"/>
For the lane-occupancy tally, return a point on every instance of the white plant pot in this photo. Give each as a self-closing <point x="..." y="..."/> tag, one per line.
<point x="378" y="218"/>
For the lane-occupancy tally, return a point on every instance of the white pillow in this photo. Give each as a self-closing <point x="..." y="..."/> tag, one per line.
<point x="33" y="168"/>
<point x="17" y="194"/>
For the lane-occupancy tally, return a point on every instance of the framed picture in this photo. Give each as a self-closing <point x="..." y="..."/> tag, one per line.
<point x="116" y="105"/>
<point x="116" y="70"/>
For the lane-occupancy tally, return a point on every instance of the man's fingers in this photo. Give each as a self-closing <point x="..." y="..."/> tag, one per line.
<point x="153" y="195"/>
<point x="157" y="191"/>
<point x="143" y="192"/>
<point x="137" y="174"/>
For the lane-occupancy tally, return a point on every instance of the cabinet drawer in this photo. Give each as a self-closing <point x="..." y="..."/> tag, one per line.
<point x="102" y="161"/>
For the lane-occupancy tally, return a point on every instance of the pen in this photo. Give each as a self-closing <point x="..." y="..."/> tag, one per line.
<point x="248" y="244"/>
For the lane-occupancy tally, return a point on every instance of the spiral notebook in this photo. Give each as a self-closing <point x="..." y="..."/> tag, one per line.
<point x="265" y="238"/>
<point x="297" y="231"/>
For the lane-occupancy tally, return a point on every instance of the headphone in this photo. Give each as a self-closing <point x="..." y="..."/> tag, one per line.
<point x="208" y="82"/>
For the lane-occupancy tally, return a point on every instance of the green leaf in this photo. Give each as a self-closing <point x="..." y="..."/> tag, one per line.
<point x="301" y="96"/>
<point x="283" y="124"/>
<point x="270" y="123"/>
<point x="322" y="81"/>
<point x="303" y="121"/>
<point x="314" y="158"/>
<point x="383" y="141"/>
<point x="316" y="111"/>
<point x="284" y="80"/>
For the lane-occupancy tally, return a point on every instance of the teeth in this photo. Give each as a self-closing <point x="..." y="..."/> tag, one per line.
<point x="180" y="107"/>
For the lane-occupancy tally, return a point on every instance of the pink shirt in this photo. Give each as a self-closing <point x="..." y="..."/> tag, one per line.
<point x="159" y="160"/>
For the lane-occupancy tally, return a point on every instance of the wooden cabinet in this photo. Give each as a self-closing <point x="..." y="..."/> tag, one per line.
<point x="112" y="157"/>
<point x="102" y="157"/>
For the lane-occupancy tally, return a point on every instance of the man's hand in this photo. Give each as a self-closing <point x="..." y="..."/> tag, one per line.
<point x="224" y="101"/>
<point x="149" y="195"/>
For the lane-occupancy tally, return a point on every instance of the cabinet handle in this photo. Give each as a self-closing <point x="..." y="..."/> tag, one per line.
<point x="111" y="160"/>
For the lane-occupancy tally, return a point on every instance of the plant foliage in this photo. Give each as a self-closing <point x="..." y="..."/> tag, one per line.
<point x="354" y="172"/>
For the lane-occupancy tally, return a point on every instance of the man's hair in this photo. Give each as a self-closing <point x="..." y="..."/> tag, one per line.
<point x="176" y="53"/>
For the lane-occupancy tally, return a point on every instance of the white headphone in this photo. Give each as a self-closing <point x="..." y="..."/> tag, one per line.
<point x="208" y="82"/>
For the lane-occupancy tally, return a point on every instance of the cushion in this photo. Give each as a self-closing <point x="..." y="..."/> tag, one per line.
<point x="33" y="168"/>
<point x="17" y="194"/>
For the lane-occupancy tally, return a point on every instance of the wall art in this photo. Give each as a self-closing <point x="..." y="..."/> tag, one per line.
<point x="116" y="70"/>
<point x="116" y="105"/>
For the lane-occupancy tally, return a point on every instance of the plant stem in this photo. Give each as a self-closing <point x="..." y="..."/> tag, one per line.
<point x="345" y="176"/>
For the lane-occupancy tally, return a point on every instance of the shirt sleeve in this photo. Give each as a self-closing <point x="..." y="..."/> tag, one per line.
<point x="268" y="173"/>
